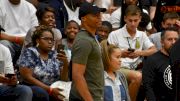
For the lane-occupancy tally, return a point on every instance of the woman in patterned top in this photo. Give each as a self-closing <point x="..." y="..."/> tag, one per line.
<point x="39" y="66"/>
<point x="116" y="87"/>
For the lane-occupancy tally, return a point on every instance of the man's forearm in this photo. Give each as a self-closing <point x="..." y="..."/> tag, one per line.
<point x="149" y="51"/>
<point x="82" y="88"/>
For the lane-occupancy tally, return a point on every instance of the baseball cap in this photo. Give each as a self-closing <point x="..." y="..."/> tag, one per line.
<point x="89" y="8"/>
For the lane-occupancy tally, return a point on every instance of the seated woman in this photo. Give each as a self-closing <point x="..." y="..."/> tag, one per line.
<point x="46" y="16"/>
<point x="39" y="66"/>
<point x="116" y="87"/>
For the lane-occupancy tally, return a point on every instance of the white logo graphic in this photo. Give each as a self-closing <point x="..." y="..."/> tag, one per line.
<point x="168" y="77"/>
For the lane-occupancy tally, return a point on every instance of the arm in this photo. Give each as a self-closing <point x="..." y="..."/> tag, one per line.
<point x="64" y="71"/>
<point x="78" y="71"/>
<point x="147" y="52"/>
<point x="26" y="74"/>
<point x="143" y="53"/>
<point x="148" y="77"/>
<point x="152" y="12"/>
<point x="18" y="40"/>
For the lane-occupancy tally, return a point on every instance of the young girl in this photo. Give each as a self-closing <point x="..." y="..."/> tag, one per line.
<point x="71" y="30"/>
<point x="116" y="88"/>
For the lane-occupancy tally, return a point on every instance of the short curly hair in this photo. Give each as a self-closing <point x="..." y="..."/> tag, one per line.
<point x="38" y="33"/>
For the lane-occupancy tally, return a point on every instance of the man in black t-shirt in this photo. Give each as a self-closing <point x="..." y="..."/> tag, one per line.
<point x="156" y="72"/>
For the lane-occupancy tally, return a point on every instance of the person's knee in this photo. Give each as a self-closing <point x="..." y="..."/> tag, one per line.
<point x="138" y="76"/>
<point x="25" y="90"/>
<point x="135" y="77"/>
<point x="40" y="94"/>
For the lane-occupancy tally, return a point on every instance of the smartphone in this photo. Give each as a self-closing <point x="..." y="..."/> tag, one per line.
<point x="131" y="49"/>
<point x="60" y="48"/>
<point x="9" y="75"/>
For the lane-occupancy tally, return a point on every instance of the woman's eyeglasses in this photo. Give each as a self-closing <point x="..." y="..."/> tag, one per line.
<point x="47" y="39"/>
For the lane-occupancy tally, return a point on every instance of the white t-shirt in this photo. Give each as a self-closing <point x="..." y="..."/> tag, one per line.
<point x="124" y="41"/>
<point x="73" y="15"/>
<point x="6" y="65"/>
<point x="17" y="19"/>
<point x="115" y="18"/>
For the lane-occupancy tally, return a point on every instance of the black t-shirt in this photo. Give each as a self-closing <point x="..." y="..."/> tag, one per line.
<point x="164" y="6"/>
<point x="175" y="68"/>
<point x="157" y="79"/>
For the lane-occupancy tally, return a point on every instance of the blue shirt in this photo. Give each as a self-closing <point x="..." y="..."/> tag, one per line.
<point x="47" y="71"/>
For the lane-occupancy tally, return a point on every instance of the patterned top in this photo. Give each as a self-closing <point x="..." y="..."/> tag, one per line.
<point x="47" y="71"/>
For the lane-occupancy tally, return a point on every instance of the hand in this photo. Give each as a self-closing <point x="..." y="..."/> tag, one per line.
<point x="3" y="79"/>
<point x="61" y="56"/>
<point x="135" y="54"/>
<point x="125" y="53"/>
<point x="12" y="81"/>
<point x="55" y="94"/>
<point x="112" y="9"/>
<point x="178" y="23"/>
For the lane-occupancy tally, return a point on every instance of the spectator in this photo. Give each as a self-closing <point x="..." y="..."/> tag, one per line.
<point x="156" y="71"/>
<point x="103" y="31"/>
<point x="170" y="19"/>
<point x="162" y="7"/>
<point x="71" y="31"/>
<point x="16" y="17"/>
<point x="66" y="10"/>
<point x="116" y="87"/>
<point x="134" y="45"/>
<point x="9" y="89"/>
<point x="87" y="66"/>
<point x="40" y="68"/>
<point x="46" y="16"/>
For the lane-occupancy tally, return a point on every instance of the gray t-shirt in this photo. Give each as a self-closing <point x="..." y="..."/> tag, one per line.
<point x="156" y="39"/>
<point x="86" y="50"/>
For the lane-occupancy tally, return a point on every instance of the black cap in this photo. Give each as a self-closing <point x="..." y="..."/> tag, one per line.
<point x="89" y="8"/>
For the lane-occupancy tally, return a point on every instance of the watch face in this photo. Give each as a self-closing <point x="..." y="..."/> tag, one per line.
<point x="1" y="67"/>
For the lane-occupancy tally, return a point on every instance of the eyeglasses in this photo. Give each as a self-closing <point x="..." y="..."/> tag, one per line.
<point x="47" y="39"/>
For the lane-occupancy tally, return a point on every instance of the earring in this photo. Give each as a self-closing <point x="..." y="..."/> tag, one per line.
<point x="37" y="44"/>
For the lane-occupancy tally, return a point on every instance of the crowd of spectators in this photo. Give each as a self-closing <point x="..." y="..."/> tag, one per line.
<point x="109" y="49"/>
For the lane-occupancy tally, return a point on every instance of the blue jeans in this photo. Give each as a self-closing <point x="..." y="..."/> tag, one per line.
<point x="15" y="93"/>
<point x="39" y="94"/>
<point x="14" y="48"/>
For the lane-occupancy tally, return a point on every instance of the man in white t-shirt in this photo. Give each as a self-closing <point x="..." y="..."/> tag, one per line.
<point x="134" y="45"/>
<point x="9" y="89"/>
<point x="16" y="17"/>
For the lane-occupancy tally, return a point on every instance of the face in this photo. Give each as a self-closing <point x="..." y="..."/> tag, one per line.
<point x="71" y="30"/>
<point x="169" y="23"/>
<point x="103" y="32"/>
<point x="131" y="2"/>
<point x="169" y="39"/>
<point x="48" y="19"/>
<point x="132" y="21"/>
<point x="92" y="20"/>
<point x="115" y="60"/>
<point x="15" y="2"/>
<point x="46" y="41"/>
